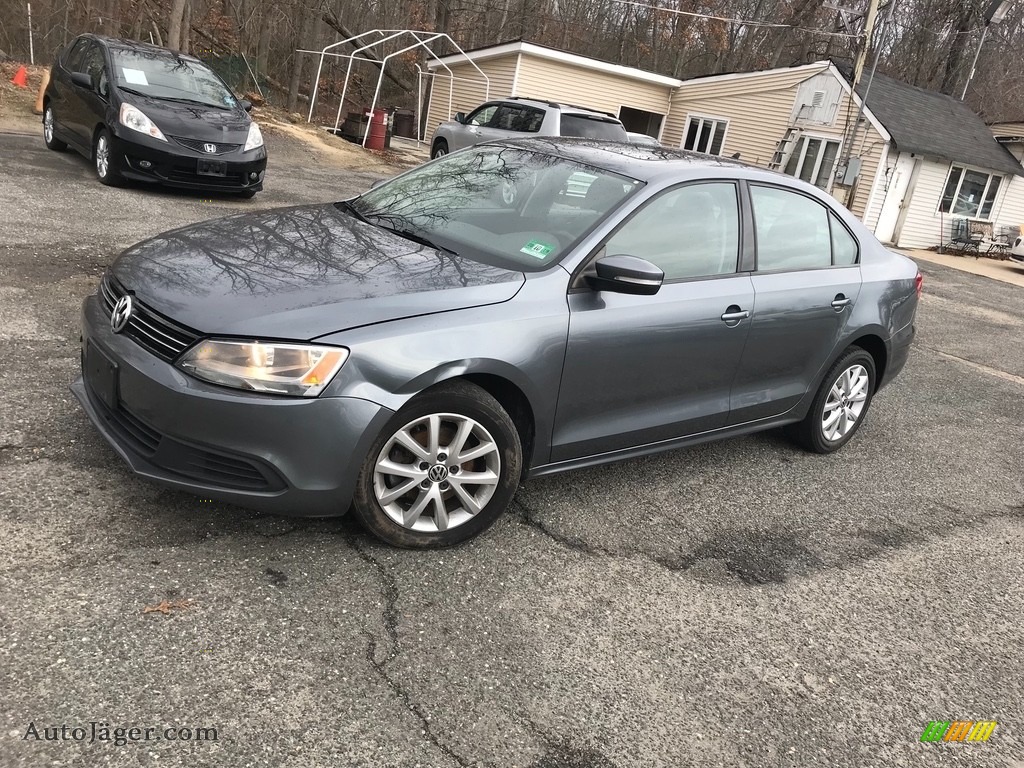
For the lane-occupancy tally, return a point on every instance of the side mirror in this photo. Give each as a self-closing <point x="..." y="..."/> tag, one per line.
<point x="459" y="117"/>
<point x="246" y="105"/>
<point x="626" y="274"/>
<point x="82" y="80"/>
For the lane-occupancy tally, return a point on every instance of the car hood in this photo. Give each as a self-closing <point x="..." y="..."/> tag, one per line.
<point x="192" y="121"/>
<point x="300" y="273"/>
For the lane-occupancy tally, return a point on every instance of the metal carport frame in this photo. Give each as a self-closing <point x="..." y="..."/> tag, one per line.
<point x="423" y="40"/>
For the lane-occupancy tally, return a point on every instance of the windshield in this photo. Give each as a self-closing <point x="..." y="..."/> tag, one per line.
<point x="592" y="128"/>
<point x="503" y="206"/>
<point x="162" y="75"/>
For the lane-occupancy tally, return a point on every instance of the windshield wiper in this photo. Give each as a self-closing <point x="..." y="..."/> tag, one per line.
<point x="349" y="206"/>
<point x="416" y="237"/>
<point x="132" y="90"/>
<point x="192" y="101"/>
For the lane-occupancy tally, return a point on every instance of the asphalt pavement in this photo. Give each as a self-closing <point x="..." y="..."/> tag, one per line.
<point x="737" y="604"/>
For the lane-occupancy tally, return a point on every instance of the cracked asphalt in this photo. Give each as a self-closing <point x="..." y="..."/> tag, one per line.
<point x="737" y="604"/>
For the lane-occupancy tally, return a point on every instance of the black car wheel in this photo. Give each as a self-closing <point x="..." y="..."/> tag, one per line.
<point x="841" y="404"/>
<point x="440" y="149"/>
<point x="52" y="142"/>
<point x="105" y="160"/>
<point x="443" y="469"/>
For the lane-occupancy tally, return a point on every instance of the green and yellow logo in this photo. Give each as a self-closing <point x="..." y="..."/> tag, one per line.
<point x="958" y="730"/>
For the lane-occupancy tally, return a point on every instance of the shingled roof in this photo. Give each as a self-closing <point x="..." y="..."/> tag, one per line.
<point x="931" y="123"/>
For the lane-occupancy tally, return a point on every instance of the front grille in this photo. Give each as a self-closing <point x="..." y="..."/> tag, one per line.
<point x="186" y="460"/>
<point x="160" y="335"/>
<point x="221" y="470"/>
<point x="200" y="146"/>
<point x="185" y="175"/>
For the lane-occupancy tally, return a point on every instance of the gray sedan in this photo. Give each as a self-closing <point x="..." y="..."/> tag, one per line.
<point x="505" y="312"/>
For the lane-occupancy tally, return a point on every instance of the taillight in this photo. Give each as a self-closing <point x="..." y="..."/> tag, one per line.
<point x="919" y="284"/>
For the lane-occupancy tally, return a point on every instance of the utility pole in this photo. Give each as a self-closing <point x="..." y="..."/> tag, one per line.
<point x="869" y="30"/>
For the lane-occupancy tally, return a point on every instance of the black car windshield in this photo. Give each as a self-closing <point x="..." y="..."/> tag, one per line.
<point x="499" y="205"/>
<point x="161" y="75"/>
<point x="592" y="128"/>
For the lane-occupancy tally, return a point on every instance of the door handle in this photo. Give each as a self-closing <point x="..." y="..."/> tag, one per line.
<point x="734" y="314"/>
<point x="840" y="302"/>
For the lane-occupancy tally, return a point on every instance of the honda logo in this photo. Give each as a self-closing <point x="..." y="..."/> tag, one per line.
<point x="211" y="148"/>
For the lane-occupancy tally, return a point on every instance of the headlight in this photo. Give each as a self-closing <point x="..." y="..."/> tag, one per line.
<point x="135" y="118"/>
<point x="279" y="369"/>
<point x="254" y="139"/>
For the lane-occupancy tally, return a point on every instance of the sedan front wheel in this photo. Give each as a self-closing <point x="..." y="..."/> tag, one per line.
<point x="442" y="471"/>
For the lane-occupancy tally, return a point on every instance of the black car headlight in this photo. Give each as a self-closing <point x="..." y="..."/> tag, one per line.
<point x="270" y="367"/>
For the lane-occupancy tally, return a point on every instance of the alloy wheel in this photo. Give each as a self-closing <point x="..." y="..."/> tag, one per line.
<point x="845" y="402"/>
<point x="48" y="125"/>
<point x="437" y="472"/>
<point x="102" y="157"/>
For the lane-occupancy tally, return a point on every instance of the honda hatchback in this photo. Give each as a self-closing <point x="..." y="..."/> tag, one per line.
<point x="150" y="114"/>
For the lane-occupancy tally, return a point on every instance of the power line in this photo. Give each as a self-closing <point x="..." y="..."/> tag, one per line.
<point x="743" y="22"/>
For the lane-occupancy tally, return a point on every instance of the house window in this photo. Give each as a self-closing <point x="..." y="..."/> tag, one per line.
<point x="813" y="160"/>
<point x="970" y="193"/>
<point x="705" y="134"/>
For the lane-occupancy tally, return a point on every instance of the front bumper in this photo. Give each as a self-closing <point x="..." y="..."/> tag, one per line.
<point x="174" y="165"/>
<point x="292" y="456"/>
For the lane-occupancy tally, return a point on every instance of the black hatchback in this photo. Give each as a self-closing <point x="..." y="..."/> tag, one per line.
<point x="150" y="114"/>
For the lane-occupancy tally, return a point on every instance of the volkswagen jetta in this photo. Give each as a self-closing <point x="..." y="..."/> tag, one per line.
<point x="505" y="312"/>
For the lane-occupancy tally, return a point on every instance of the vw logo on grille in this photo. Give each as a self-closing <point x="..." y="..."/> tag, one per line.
<point x="211" y="148"/>
<point x="121" y="314"/>
<point x="437" y="473"/>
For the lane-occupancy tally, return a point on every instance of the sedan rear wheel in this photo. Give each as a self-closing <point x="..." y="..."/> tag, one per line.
<point x="52" y="142"/>
<point x="840" y="405"/>
<point x="104" y="158"/>
<point x="442" y="471"/>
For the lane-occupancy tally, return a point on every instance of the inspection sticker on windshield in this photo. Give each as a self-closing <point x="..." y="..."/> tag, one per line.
<point x="134" y="76"/>
<point x="537" y="248"/>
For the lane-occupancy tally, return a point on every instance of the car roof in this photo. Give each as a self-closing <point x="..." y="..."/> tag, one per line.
<point x="648" y="163"/>
<point x="124" y="44"/>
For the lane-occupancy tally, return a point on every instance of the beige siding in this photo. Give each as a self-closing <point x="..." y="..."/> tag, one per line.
<point x="760" y="107"/>
<point x="757" y="106"/>
<point x="546" y="79"/>
<point x="1007" y="129"/>
<point x="470" y="89"/>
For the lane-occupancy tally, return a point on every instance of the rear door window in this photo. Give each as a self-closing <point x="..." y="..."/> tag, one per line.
<point x="795" y="232"/>
<point x="587" y="127"/>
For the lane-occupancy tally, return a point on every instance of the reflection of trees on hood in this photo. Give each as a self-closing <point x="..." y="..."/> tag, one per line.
<point x="282" y="250"/>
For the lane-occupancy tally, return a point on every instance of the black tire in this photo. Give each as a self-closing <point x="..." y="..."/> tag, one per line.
<point x="439" y="149"/>
<point x="811" y="433"/>
<point x="450" y="402"/>
<point x="49" y="126"/>
<point x="105" y="165"/>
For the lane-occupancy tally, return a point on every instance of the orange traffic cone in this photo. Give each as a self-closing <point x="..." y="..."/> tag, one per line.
<point x="20" y="78"/>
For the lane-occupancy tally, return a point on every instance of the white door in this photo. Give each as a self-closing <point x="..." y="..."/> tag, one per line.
<point x="896" y="196"/>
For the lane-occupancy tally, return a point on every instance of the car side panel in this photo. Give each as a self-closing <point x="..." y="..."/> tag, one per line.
<point x="521" y="340"/>
<point x="794" y="330"/>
